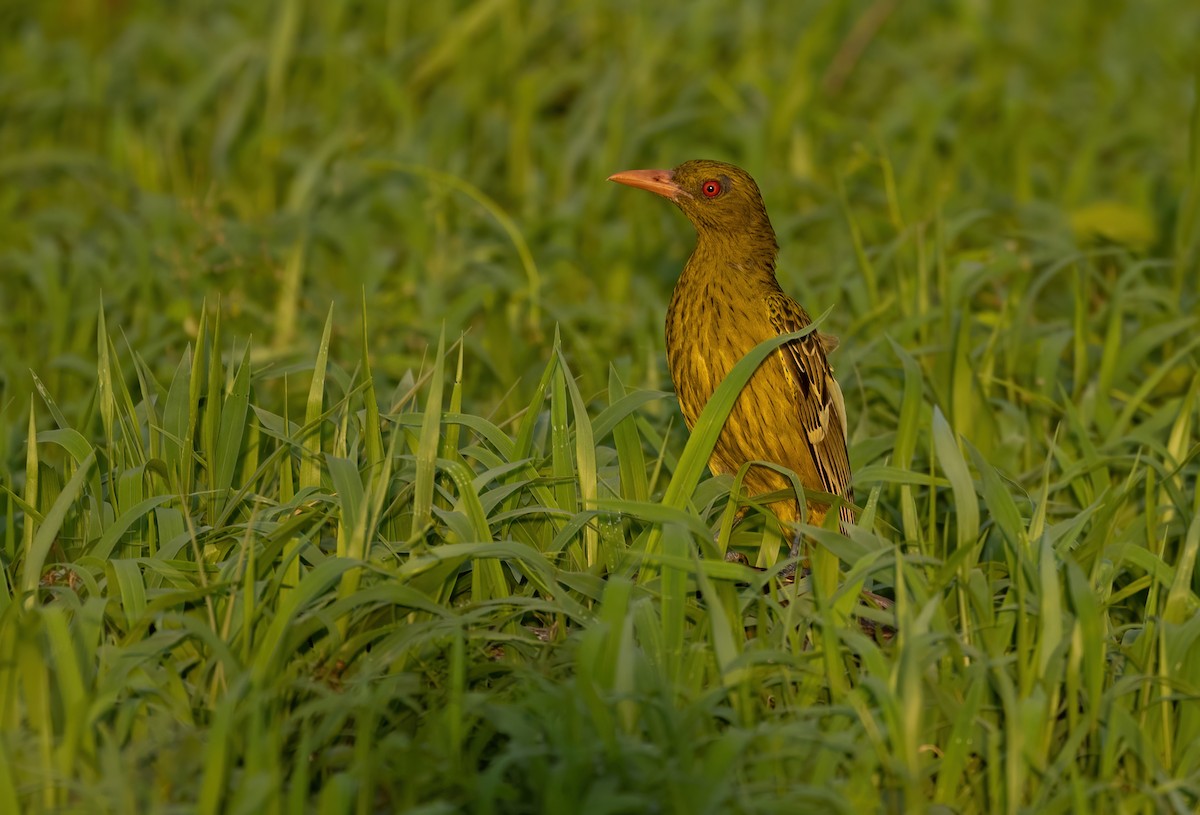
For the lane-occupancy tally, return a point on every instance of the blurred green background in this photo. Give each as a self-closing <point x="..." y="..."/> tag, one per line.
<point x="448" y="160"/>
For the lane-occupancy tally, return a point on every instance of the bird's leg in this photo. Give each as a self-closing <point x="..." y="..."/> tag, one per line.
<point x="731" y="556"/>
<point x="789" y="573"/>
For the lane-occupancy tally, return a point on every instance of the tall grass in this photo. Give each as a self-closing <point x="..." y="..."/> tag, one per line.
<point x="445" y="547"/>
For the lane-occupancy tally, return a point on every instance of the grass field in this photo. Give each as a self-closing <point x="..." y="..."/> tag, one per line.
<point x="340" y="469"/>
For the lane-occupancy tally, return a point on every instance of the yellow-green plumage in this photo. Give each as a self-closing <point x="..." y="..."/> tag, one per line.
<point x="726" y="301"/>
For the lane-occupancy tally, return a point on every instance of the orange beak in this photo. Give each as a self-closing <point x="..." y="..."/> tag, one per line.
<point x="659" y="182"/>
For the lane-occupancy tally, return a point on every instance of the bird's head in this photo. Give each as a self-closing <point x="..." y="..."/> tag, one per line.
<point x="719" y="199"/>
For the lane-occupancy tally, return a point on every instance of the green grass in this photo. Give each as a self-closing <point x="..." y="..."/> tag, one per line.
<point x="340" y="472"/>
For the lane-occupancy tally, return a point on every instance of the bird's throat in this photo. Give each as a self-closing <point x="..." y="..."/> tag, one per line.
<point x="725" y="271"/>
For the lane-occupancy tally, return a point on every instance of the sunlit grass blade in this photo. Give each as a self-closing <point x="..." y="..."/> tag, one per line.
<point x="104" y="384"/>
<point x="676" y="546"/>
<point x="310" y="463"/>
<point x="630" y="458"/>
<point x="176" y="445"/>
<point x="232" y="428"/>
<point x="906" y="436"/>
<point x="29" y="529"/>
<point x="584" y="462"/>
<point x="213" y="384"/>
<point x="372" y="431"/>
<point x="966" y="509"/>
<point x="427" y="446"/>
<point x="561" y="452"/>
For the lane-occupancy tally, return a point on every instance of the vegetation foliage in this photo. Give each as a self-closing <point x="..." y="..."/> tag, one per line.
<point x="339" y="469"/>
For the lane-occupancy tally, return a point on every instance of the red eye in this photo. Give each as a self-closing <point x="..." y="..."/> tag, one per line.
<point x="711" y="188"/>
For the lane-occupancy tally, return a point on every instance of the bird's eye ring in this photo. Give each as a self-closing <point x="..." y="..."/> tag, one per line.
<point x="711" y="188"/>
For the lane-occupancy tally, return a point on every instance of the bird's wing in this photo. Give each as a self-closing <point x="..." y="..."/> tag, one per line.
<point x="819" y="400"/>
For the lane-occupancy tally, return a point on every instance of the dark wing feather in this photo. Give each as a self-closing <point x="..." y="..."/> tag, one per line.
<point x="819" y="401"/>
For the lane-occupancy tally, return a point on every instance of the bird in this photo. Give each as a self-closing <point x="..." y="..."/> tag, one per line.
<point x="725" y="302"/>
